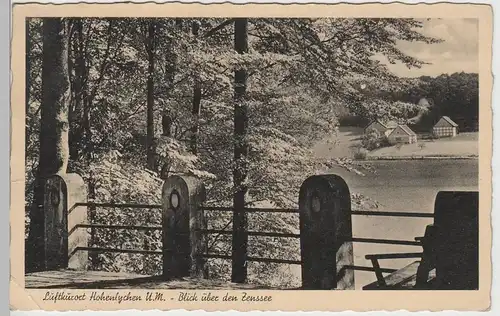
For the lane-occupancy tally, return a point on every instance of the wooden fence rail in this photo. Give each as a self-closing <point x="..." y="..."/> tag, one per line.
<point x="131" y="227"/>
<point x="119" y="205"/>
<point x="251" y="233"/>
<point x="393" y="214"/>
<point x="251" y="209"/>
<point x="119" y="250"/>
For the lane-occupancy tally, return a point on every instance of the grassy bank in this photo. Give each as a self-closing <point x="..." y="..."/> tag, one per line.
<point x="419" y="157"/>
<point x="463" y="146"/>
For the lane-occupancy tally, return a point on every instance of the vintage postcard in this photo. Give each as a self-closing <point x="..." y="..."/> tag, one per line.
<point x="251" y="157"/>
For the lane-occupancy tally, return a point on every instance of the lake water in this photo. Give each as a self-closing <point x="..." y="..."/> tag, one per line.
<point x="402" y="185"/>
<point x="411" y="185"/>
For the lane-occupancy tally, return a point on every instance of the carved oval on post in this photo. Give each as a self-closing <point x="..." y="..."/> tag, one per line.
<point x="326" y="233"/>
<point x="174" y="199"/>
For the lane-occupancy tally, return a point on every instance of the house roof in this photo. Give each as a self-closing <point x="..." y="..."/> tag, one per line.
<point x="391" y="124"/>
<point x="405" y="129"/>
<point x="449" y="121"/>
<point x="386" y="125"/>
<point x="376" y="121"/>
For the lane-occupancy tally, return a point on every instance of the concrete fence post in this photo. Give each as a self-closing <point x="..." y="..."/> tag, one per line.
<point x="61" y="235"/>
<point x="326" y="233"/>
<point x="183" y="243"/>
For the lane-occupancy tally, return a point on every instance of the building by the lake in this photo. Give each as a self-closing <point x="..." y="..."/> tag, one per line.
<point x="445" y="127"/>
<point x="402" y="134"/>
<point x="384" y="128"/>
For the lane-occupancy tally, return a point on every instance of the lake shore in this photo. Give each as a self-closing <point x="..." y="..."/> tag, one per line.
<point x="348" y="139"/>
<point x="430" y="157"/>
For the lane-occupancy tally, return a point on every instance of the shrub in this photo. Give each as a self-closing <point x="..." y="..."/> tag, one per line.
<point x="384" y="141"/>
<point x="373" y="139"/>
<point x="360" y="154"/>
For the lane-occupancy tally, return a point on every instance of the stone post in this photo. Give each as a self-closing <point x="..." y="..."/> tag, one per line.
<point x="61" y="235"/>
<point x="326" y="233"/>
<point x="182" y="199"/>
<point x="456" y="218"/>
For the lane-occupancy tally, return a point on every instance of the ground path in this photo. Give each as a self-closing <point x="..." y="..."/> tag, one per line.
<point x="70" y="279"/>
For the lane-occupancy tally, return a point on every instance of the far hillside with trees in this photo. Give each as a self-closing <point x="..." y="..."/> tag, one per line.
<point x="455" y="96"/>
<point x="418" y="103"/>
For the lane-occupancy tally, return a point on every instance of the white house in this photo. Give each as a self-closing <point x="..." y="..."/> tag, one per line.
<point x="445" y="127"/>
<point x="382" y="128"/>
<point x="402" y="134"/>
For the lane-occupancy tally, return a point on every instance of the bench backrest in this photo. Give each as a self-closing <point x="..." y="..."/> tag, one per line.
<point x="457" y="241"/>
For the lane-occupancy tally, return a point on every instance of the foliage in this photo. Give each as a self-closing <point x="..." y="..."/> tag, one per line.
<point x="360" y="153"/>
<point x="384" y="110"/>
<point x="373" y="139"/>
<point x="455" y="95"/>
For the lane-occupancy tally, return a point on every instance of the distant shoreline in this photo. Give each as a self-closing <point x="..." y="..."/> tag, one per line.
<point x="436" y="157"/>
<point x="464" y="146"/>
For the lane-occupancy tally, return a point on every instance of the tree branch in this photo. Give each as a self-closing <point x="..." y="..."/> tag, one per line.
<point x="218" y="27"/>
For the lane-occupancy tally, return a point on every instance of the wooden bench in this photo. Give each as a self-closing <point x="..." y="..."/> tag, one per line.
<point x="450" y="257"/>
<point x="403" y="279"/>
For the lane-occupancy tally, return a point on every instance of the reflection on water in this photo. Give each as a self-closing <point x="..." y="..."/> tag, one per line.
<point x="402" y="186"/>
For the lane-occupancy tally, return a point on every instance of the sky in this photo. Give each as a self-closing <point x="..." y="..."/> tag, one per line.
<point x="458" y="52"/>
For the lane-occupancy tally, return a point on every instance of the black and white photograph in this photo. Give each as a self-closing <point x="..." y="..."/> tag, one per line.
<point x="251" y="153"/>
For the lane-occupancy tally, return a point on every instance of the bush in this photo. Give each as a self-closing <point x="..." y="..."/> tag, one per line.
<point x="384" y="141"/>
<point x="373" y="139"/>
<point x="360" y="154"/>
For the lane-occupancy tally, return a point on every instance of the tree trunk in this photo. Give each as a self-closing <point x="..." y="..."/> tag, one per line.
<point x="150" y="148"/>
<point x="170" y="70"/>
<point x="72" y="112"/>
<point x="77" y="116"/>
<point x="84" y="98"/>
<point x="54" y="126"/>
<point x="196" y="100"/>
<point x="240" y="237"/>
